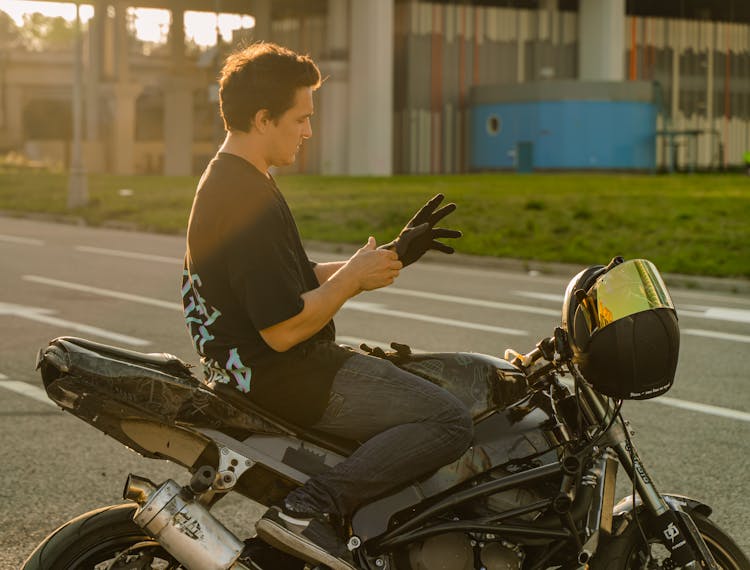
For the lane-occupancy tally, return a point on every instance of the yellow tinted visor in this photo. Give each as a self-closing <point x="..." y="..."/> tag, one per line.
<point x="631" y="287"/>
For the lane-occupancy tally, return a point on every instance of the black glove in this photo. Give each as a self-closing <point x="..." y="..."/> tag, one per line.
<point x="400" y="352"/>
<point x="420" y="234"/>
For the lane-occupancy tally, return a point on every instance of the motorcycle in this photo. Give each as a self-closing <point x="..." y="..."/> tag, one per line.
<point x="535" y="490"/>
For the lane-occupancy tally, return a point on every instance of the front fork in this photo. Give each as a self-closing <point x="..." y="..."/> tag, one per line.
<point x="680" y="535"/>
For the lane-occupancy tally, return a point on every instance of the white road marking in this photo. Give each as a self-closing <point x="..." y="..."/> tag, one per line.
<point x="378" y="309"/>
<point x="713" y="297"/>
<point x="491" y="273"/>
<point x="41" y="315"/>
<point x="469" y="301"/>
<point x="3" y="376"/>
<point x="552" y="297"/>
<point x="26" y="389"/>
<point x="702" y="408"/>
<point x="23" y="240"/>
<point x="129" y="254"/>
<point x="103" y="292"/>
<point x="716" y="334"/>
<point x="715" y="313"/>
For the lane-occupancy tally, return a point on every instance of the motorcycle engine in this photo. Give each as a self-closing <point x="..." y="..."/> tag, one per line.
<point x="456" y="551"/>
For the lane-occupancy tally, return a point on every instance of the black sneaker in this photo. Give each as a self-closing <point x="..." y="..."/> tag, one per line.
<point x="313" y="539"/>
<point x="257" y="555"/>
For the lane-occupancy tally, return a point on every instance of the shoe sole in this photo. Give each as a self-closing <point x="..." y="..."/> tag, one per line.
<point x="279" y="537"/>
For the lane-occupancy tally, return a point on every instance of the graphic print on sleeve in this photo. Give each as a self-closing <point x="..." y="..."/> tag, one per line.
<point x="199" y="318"/>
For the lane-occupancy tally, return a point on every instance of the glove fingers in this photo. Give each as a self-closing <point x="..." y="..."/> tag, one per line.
<point x="441" y="213"/>
<point x="445" y="233"/>
<point x="425" y="212"/>
<point x="442" y="247"/>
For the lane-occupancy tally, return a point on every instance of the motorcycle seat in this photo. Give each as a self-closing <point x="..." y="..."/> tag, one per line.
<point x="160" y="360"/>
<point x="340" y="445"/>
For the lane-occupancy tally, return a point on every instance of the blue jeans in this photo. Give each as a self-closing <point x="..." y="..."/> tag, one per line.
<point x="409" y="427"/>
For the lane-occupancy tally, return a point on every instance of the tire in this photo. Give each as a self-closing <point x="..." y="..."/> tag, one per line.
<point x="622" y="552"/>
<point x="98" y="537"/>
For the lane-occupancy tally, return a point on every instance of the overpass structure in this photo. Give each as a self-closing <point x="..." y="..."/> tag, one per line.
<point x="400" y="77"/>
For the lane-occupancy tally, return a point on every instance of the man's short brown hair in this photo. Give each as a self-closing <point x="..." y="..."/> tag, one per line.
<point x="262" y="76"/>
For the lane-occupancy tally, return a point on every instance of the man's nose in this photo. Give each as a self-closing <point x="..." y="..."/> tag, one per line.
<point x="307" y="131"/>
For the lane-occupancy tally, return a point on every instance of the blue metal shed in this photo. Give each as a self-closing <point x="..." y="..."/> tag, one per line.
<point x="570" y="125"/>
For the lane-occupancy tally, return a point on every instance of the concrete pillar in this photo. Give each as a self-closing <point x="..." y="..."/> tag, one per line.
<point x="14" y="119"/>
<point x="601" y="40"/>
<point x="261" y="11"/>
<point x="124" y="96"/>
<point x="93" y="150"/>
<point x="122" y="47"/>
<point x="371" y="88"/>
<point x="176" y="38"/>
<point x="334" y="96"/>
<point x="178" y="103"/>
<point x="178" y="127"/>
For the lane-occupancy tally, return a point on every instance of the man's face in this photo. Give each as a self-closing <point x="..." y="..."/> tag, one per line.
<point x="287" y="134"/>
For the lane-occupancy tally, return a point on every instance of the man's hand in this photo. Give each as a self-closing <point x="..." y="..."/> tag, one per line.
<point x="420" y="234"/>
<point x="372" y="268"/>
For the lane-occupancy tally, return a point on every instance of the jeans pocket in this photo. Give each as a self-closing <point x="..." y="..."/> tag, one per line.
<point x="333" y="409"/>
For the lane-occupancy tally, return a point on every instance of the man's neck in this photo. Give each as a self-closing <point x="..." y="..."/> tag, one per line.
<point x="245" y="146"/>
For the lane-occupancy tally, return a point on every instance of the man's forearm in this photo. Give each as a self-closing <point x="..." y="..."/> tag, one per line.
<point x="320" y="306"/>
<point x="324" y="271"/>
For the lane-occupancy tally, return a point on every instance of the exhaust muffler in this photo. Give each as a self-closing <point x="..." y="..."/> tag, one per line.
<point x="183" y="526"/>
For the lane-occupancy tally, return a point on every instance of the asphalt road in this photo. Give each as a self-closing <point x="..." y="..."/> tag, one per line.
<point x="121" y="288"/>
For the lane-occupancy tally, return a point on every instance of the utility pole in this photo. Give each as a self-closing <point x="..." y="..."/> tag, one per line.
<point x="78" y="194"/>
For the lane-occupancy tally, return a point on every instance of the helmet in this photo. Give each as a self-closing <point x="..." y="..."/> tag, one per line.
<point x="622" y="329"/>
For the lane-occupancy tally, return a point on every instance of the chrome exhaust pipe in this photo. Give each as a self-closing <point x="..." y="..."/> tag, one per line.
<point x="183" y="526"/>
<point x="138" y="489"/>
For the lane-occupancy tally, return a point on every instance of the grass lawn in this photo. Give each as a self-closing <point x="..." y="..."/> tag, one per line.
<point x="692" y="224"/>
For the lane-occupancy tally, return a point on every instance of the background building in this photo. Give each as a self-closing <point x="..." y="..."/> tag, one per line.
<point x="404" y="79"/>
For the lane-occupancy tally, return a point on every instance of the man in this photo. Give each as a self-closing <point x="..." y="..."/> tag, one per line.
<point x="259" y="312"/>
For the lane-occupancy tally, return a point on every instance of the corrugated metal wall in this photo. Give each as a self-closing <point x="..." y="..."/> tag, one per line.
<point x="443" y="50"/>
<point x="704" y="70"/>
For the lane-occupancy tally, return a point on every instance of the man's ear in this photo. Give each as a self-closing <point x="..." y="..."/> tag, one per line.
<point x="261" y="120"/>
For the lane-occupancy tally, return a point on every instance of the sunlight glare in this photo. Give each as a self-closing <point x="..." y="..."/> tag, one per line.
<point x="17" y="8"/>
<point x="151" y="24"/>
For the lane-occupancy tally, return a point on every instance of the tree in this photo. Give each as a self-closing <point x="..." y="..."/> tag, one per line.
<point x="42" y="33"/>
<point x="9" y="32"/>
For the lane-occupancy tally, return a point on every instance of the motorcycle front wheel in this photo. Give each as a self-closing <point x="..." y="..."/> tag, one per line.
<point x="627" y="552"/>
<point x="103" y="538"/>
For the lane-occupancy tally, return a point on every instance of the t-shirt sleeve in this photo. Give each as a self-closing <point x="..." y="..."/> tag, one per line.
<point x="264" y="270"/>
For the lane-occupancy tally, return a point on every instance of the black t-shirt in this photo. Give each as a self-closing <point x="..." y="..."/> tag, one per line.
<point x="245" y="270"/>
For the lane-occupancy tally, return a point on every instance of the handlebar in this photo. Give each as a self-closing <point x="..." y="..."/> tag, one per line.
<point x="554" y="350"/>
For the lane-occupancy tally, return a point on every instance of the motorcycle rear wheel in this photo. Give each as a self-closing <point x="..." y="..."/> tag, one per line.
<point x="103" y="538"/>
<point x="625" y="552"/>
